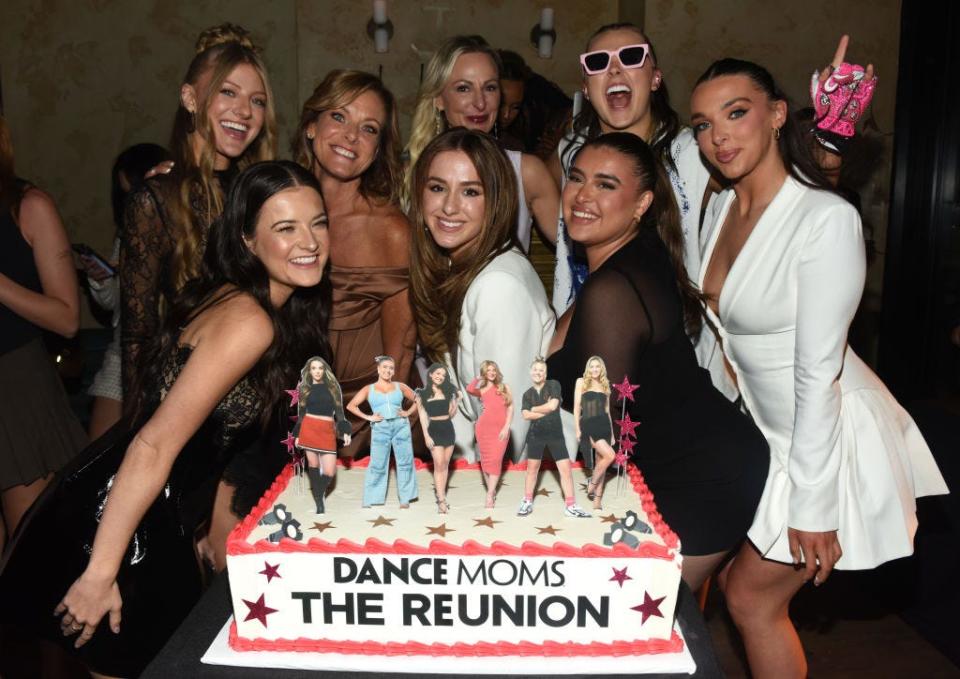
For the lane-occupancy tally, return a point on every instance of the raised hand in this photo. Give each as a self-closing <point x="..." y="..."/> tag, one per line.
<point x="841" y="92"/>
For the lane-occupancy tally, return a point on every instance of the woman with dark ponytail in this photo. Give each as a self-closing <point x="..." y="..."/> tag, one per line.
<point x="782" y="272"/>
<point x="704" y="460"/>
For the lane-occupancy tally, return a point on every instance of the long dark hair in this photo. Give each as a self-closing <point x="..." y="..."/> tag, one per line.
<point x="666" y="122"/>
<point x="794" y="148"/>
<point x="663" y="216"/>
<point x="133" y="163"/>
<point x="230" y="268"/>
<point x="446" y="387"/>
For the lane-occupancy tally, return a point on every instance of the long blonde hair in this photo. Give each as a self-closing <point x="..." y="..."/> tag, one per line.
<point x="602" y="381"/>
<point x="497" y="381"/>
<point x="438" y="283"/>
<point x="381" y="181"/>
<point x="428" y="120"/>
<point x="219" y="50"/>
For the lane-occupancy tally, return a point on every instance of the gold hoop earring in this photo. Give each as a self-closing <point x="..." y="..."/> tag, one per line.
<point x="776" y="133"/>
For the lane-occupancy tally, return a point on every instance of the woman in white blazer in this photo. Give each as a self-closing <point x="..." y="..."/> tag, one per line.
<point x="475" y="296"/>
<point x="783" y="269"/>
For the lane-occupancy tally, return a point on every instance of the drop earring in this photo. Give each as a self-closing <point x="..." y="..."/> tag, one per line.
<point x="438" y="121"/>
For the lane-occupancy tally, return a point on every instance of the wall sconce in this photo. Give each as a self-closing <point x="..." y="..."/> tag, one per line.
<point x="380" y="28"/>
<point x="542" y="35"/>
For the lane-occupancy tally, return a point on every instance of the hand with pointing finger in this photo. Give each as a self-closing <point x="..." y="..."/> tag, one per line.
<point x="841" y="93"/>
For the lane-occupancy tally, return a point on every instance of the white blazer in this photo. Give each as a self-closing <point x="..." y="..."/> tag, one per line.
<point x="843" y="454"/>
<point x="506" y="319"/>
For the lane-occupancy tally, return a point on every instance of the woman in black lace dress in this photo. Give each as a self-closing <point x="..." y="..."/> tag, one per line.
<point x="705" y="461"/>
<point x="110" y="543"/>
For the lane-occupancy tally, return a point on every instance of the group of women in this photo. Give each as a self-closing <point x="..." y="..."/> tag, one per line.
<point x="819" y="457"/>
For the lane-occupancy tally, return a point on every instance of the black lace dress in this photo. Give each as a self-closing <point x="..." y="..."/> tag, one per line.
<point x="705" y="461"/>
<point x="159" y="578"/>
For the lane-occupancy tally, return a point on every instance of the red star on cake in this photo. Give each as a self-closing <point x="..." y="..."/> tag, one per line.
<point x="289" y="442"/>
<point x="294" y="395"/>
<point x="258" y="610"/>
<point x="440" y="530"/>
<point x="627" y="426"/>
<point x="625" y="389"/>
<point x="649" y="607"/>
<point x="619" y="576"/>
<point x="271" y="571"/>
<point x="626" y="445"/>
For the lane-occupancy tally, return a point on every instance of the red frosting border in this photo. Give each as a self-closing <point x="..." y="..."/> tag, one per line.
<point x="482" y="648"/>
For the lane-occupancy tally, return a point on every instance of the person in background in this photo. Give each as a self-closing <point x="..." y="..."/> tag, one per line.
<point x="127" y="175"/>
<point x="38" y="292"/>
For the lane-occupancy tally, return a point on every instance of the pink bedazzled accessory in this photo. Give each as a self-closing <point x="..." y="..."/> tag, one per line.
<point x="839" y="101"/>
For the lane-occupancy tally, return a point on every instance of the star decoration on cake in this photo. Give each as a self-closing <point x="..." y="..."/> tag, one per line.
<point x="626" y="445"/>
<point x="619" y="576"/>
<point x="440" y="530"/>
<point x="625" y="389"/>
<point x="270" y="571"/>
<point x="649" y="607"/>
<point x="627" y="426"/>
<point x="488" y="522"/>
<point x="543" y="492"/>
<point x="609" y="518"/>
<point x="583" y="487"/>
<point x="322" y="525"/>
<point x="294" y="395"/>
<point x="381" y="521"/>
<point x="258" y="610"/>
<point x="548" y="530"/>
<point x="289" y="442"/>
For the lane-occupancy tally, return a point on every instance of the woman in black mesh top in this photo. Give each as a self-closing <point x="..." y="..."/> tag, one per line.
<point x="591" y="413"/>
<point x="705" y="461"/>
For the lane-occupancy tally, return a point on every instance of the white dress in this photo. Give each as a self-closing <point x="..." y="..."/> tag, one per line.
<point x="524" y="219"/>
<point x="843" y="454"/>
<point x="688" y="179"/>
<point x="505" y="318"/>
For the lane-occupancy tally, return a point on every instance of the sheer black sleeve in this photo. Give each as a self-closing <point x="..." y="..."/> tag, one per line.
<point x="145" y="246"/>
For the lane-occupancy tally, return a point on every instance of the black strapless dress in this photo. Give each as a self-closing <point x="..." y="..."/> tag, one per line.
<point x="159" y="578"/>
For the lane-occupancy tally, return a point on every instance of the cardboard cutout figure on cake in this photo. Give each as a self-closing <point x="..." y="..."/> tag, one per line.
<point x="320" y="420"/>
<point x="436" y="404"/>
<point x="390" y="429"/>
<point x="541" y="407"/>
<point x="591" y="412"/>
<point x="493" y="425"/>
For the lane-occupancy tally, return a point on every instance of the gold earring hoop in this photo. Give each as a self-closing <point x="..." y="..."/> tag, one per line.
<point x="776" y="133"/>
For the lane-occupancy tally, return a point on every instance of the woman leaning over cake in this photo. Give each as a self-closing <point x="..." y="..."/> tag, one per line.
<point x="703" y="459"/>
<point x="783" y="271"/>
<point x="437" y="404"/>
<point x="461" y="88"/>
<point x="475" y="294"/>
<point x="112" y="541"/>
<point x="348" y="137"/>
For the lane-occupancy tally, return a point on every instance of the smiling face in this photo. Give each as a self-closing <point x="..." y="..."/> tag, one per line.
<point x="735" y="123"/>
<point x="595" y="369"/>
<point x="385" y="370"/>
<point x="492" y="372"/>
<point x="471" y="96"/>
<point x="538" y="373"/>
<point x="316" y="371"/>
<point x="511" y="99"/>
<point x="438" y="376"/>
<point x="291" y="240"/>
<point x="453" y="202"/>
<point x="345" y="139"/>
<point x="621" y="96"/>
<point x="235" y="112"/>
<point x="602" y="199"/>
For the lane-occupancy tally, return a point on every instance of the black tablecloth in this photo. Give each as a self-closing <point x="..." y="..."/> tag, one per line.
<point x="181" y="656"/>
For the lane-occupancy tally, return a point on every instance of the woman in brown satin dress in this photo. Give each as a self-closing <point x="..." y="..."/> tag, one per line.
<point x="348" y="137"/>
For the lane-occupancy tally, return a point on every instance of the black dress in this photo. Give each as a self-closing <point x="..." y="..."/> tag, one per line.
<point x="159" y="578"/>
<point x="704" y="460"/>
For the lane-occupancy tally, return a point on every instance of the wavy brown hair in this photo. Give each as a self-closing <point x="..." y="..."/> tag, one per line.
<point x="219" y="50"/>
<point x="497" y="381"/>
<point x="381" y="181"/>
<point x="438" y="282"/>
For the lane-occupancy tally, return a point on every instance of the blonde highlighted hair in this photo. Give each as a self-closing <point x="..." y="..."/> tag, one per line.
<point x="497" y="381"/>
<point x="428" y="120"/>
<point x="219" y="50"/>
<point x="602" y="381"/>
<point x="381" y="180"/>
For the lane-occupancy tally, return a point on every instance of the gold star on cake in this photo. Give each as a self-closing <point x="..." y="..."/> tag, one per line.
<point x="322" y="526"/>
<point x="543" y="492"/>
<point x="550" y="530"/>
<point x="381" y="521"/>
<point x="488" y="522"/>
<point x="440" y="530"/>
<point x="609" y="518"/>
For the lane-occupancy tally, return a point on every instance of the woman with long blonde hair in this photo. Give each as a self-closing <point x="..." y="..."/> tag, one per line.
<point x="461" y="88"/>
<point x="591" y="412"/>
<point x="349" y="139"/>
<point x="474" y="293"/>
<point x="493" y="425"/>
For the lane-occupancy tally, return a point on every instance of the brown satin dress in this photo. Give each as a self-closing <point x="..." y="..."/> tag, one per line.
<point x="356" y="334"/>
